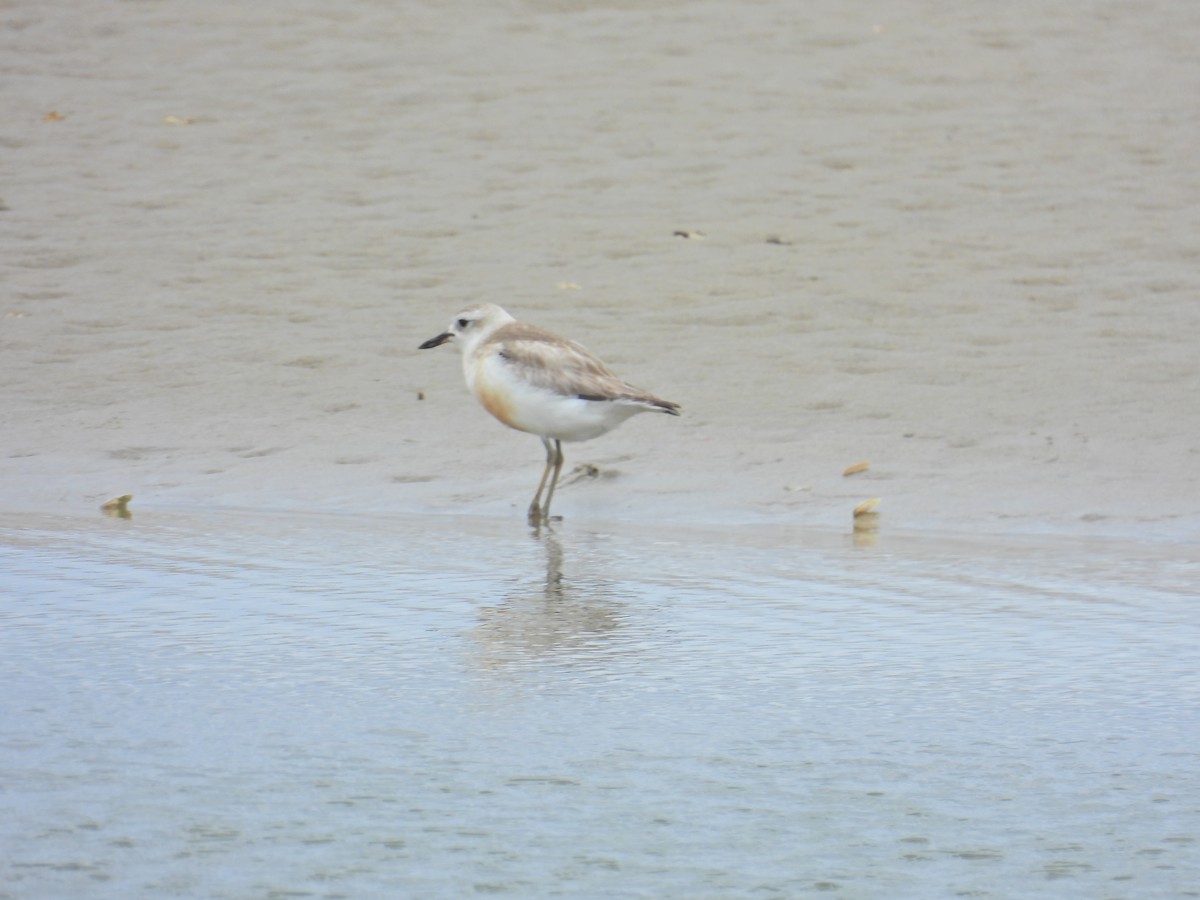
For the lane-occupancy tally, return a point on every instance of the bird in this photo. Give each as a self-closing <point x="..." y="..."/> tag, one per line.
<point x="542" y="384"/>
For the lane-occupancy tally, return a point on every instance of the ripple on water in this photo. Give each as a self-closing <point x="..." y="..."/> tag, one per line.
<point x="462" y="706"/>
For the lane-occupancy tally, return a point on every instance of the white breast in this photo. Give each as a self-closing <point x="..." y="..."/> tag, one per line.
<point x="519" y="404"/>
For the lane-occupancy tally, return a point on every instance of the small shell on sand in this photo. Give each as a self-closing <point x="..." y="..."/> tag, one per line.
<point x="118" y="507"/>
<point x="866" y="507"/>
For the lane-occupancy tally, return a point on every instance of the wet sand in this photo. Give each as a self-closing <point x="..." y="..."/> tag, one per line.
<point x="959" y="244"/>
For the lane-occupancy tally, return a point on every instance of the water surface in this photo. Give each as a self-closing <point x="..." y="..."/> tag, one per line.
<point x="227" y="704"/>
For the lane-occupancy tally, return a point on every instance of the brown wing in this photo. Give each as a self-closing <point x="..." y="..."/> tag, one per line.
<point x="565" y="367"/>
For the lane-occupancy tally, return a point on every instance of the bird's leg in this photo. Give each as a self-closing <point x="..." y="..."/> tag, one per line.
<point x="535" y="508"/>
<point x="558" y="464"/>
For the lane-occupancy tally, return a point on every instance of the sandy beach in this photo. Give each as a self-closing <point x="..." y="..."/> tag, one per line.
<point x="960" y="246"/>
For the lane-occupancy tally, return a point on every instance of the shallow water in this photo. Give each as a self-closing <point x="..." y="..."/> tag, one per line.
<point x="226" y="704"/>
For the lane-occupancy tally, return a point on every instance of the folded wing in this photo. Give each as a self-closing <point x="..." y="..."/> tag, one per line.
<point x="567" y="368"/>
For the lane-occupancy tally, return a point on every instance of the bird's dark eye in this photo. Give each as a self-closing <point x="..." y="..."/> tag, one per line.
<point x="463" y="323"/>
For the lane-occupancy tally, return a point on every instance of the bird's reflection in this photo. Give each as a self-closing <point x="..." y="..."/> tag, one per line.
<point x="561" y="619"/>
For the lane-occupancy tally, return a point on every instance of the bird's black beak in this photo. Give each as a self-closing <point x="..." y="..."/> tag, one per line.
<point x="437" y="341"/>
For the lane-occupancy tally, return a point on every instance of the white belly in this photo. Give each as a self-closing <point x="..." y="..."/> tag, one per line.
<point x="540" y="411"/>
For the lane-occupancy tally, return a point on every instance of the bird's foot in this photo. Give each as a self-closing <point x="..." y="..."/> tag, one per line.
<point x="538" y="516"/>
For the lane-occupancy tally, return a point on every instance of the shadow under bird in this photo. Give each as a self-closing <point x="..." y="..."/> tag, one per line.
<point x="543" y="384"/>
